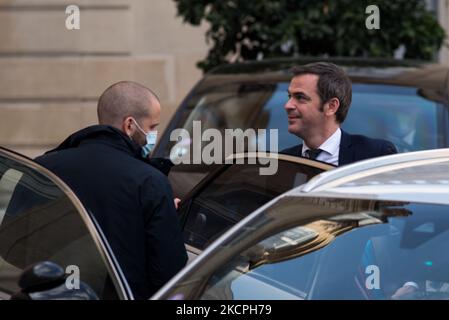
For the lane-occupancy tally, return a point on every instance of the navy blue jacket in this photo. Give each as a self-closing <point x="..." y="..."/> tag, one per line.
<point x="354" y="148"/>
<point x="131" y="200"/>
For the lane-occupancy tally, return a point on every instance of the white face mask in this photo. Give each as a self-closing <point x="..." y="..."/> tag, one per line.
<point x="151" y="138"/>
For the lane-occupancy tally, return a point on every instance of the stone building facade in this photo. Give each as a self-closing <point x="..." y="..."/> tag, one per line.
<point x="51" y="77"/>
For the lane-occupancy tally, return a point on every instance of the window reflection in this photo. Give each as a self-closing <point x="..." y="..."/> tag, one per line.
<point x="404" y="245"/>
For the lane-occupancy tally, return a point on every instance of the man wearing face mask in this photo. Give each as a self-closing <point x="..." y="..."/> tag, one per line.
<point x="107" y="166"/>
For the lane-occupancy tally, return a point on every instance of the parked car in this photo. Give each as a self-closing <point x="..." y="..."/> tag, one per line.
<point x="401" y="101"/>
<point x="49" y="244"/>
<point x="48" y="239"/>
<point x="377" y="229"/>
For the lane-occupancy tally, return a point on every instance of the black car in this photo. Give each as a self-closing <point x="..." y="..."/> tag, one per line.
<point x="401" y="101"/>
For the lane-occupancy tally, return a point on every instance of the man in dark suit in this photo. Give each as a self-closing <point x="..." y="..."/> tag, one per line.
<point x="319" y="99"/>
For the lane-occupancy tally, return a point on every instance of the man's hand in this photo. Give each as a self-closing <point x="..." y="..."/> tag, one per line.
<point x="408" y="291"/>
<point x="177" y="201"/>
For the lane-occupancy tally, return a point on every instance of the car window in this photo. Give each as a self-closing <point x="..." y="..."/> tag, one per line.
<point x="402" y="115"/>
<point x="236" y="192"/>
<point x="412" y="118"/>
<point x="391" y="251"/>
<point x="184" y="177"/>
<point x="39" y="222"/>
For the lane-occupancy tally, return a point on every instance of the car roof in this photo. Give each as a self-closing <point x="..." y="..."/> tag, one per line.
<point x="411" y="73"/>
<point x="266" y="65"/>
<point x="421" y="176"/>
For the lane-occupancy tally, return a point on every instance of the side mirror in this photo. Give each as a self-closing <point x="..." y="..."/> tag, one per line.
<point x="47" y="281"/>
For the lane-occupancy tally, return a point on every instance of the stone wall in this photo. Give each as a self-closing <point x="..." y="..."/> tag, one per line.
<point x="51" y="77"/>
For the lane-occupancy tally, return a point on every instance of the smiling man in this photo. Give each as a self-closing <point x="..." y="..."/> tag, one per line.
<point x="319" y="97"/>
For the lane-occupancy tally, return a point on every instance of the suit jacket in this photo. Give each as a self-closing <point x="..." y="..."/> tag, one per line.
<point x="354" y="148"/>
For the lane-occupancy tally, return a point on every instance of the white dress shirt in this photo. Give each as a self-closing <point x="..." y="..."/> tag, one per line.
<point x="330" y="149"/>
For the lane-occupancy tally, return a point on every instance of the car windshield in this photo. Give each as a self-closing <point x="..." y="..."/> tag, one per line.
<point x="411" y="118"/>
<point x="310" y="248"/>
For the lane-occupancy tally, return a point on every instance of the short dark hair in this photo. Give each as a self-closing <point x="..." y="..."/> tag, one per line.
<point x="333" y="82"/>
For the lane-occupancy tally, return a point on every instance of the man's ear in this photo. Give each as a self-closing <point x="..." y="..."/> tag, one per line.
<point x="331" y="107"/>
<point x="127" y="126"/>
